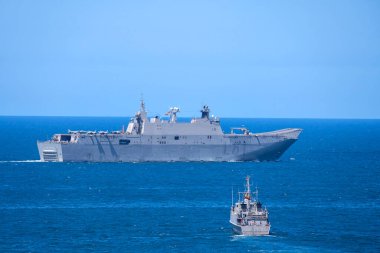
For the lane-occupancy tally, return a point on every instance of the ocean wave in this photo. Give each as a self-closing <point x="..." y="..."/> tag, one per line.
<point x="22" y="161"/>
<point x="111" y="206"/>
<point x="185" y="204"/>
<point x="346" y="205"/>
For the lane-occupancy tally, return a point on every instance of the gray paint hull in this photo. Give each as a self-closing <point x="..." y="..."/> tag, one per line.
<point x="250" y="230"/>
<point x="108" y="152"/>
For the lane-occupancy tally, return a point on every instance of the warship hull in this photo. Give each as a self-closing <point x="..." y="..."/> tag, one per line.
<point x="251" y="230"/>
<point x="101" y="151"/>
<point x="160" y="140"/>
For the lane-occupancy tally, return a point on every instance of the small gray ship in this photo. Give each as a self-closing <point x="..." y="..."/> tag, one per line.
<point x="164" y="140"/>
<point x="248" y="217"/>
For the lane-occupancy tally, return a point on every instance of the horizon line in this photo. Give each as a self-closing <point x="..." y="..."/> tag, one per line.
<point x="188" y="117"/>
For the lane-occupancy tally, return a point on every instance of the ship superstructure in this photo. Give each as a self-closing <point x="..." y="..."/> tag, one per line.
<point x="155" y="139"/>
<point x="249" y="217"/>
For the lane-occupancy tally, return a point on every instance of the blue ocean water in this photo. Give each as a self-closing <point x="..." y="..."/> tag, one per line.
<point x="323" y="196"/>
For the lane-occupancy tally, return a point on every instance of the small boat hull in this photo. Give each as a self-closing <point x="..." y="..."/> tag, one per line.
<point x="251" y="230"/>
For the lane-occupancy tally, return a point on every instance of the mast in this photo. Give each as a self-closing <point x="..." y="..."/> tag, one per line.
<point x="140" y="117"/>
<point x="247" y="195"/>
<point x="248" y="186"/>
<point x="142" y="110"/>
<point x="232" y="196"/>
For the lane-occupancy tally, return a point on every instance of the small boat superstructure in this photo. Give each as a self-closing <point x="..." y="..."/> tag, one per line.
<point x="249" y="217"/>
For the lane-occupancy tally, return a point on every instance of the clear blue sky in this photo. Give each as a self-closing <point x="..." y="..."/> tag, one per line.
<point x="298" y="59"/>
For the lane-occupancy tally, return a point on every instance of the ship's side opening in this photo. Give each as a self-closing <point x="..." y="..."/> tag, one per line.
<point x="124" y="142"/>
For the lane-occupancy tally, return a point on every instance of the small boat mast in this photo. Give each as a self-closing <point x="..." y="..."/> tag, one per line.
<point x="247" y="193"/>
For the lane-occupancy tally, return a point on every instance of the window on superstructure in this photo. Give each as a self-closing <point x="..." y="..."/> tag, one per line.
<point x="66" y="137"/>
<point x="176" y="138"/>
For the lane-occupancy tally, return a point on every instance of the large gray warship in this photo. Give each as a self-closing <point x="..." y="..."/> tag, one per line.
<point x="154" y="139"/>
<point x="248" y="217"/>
